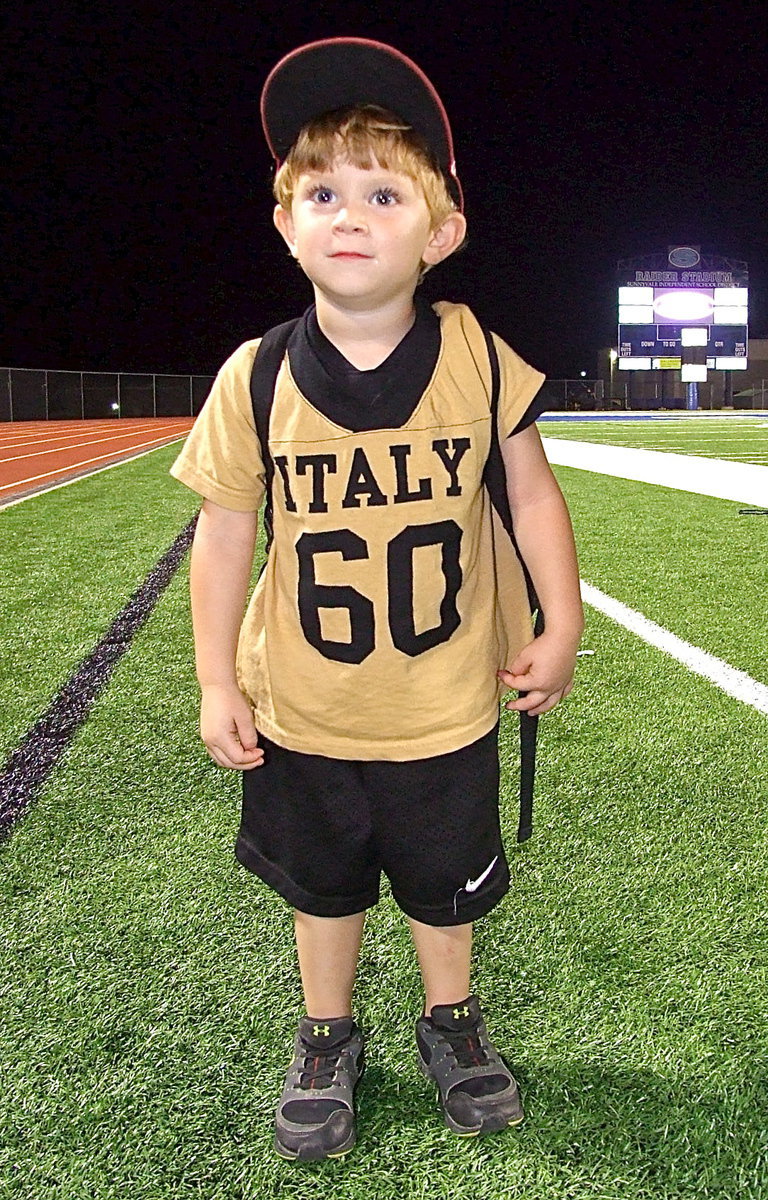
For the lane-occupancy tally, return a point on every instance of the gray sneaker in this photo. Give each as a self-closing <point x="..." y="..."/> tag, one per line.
<point x="315" y="1116"/>
<point x="478" y="1093"/>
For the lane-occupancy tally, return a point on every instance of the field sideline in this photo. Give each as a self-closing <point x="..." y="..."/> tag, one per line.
<point x="738" y="438"/>
<point x="149" y="991"/>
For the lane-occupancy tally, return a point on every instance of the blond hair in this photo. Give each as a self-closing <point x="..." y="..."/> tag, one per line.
<point x="359" y="135"/>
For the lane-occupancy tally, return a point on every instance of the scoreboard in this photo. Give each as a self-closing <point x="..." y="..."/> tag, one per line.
<point x="682" y="311"/>
<point x="658" y="323"/>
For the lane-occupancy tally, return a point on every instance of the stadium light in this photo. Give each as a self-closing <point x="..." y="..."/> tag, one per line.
<point x="684" y="306"/>
<point x="693" y="373"/>
<point x="635" y="295"/>
<point x="635" y="314"/>
<point x="730" y="364"/>
<point x="730" y="315"/>
<point x="731" y="296"/>
<point x="694" y="337"/>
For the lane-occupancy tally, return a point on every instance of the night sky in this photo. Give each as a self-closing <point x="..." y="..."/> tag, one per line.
<point x="141" y="238"/>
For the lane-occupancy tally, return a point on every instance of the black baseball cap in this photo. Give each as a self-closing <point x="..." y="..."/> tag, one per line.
<point x="341" y="72"/>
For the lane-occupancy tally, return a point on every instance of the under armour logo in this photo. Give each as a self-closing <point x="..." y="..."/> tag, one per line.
<point x="321" y="1030"/>
<point x="460" y="1012"/>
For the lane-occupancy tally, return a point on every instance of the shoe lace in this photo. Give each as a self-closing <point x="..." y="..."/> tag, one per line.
<point x="466" y="1047"/>
<point x="319" y="1069"/>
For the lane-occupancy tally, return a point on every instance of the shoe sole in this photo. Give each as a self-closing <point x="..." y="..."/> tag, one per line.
<point x="490" y="1125"/>
<point x="297" y="1156"/>
<point x="340" y="1151"/>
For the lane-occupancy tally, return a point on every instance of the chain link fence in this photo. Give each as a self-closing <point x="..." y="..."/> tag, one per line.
<point x="652" y="394"/>
<point x="31" y="395"/>
<point x="575" y="395"/>
<point x="592" y="395"/>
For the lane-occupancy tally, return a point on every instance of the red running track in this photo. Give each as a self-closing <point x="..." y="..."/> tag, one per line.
<point x="37" y="455"/>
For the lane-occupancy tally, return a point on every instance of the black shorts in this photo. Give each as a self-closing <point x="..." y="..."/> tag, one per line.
<point x="321" y="830"/>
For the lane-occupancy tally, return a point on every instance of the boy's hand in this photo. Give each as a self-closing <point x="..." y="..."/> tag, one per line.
<point x="227" y="728"/>
<point x="544" y="669"/>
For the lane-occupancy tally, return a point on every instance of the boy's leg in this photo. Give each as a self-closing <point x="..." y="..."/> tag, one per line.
<point x="478" y="1093"/>
<point x="328" y="949"/>
<point x="315" y="1116"/>
<point x="444" y="954"/>
<point x="334" y="871"/>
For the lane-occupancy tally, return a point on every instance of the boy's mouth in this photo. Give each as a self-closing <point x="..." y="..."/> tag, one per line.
<point x="349" y="254"/>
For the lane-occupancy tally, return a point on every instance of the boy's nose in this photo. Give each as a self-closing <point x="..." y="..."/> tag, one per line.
<point x="350" y="219"/>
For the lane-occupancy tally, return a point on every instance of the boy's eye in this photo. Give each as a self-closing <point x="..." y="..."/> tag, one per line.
<point x="323" y="195"/>
<point x="385" y="197"/>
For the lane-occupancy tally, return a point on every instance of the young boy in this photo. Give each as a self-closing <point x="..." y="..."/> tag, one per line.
<point x="360" y="694"/>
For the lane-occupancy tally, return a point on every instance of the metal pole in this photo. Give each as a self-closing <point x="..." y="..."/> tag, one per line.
<point x="10" y="391"/>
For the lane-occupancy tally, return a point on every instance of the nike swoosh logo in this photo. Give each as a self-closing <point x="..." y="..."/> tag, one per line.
<point x="473" y="884"/>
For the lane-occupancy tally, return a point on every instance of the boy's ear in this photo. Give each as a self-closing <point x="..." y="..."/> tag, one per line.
<point x="445" y="239"/>
<point x="284" y="224"/>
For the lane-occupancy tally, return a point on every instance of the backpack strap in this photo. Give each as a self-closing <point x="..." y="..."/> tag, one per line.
<point x="495" y="480"/>
<point x="266" y="367"/>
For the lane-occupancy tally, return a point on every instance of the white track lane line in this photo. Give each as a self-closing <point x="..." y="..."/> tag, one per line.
<point x="74" y="439"/>
<point x="731" y="681"/>
<point x="744" y="482"/>
<point x="95" y="441"/>
<point x="85" y="475"/>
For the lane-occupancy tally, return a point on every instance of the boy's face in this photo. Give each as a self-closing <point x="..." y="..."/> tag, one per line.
<point x="362" y="235"/>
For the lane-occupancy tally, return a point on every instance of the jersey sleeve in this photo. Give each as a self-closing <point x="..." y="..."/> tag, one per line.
<point x="519" y="400"/>
<point x="221" y="459"/>
<point x="538" y="405"/>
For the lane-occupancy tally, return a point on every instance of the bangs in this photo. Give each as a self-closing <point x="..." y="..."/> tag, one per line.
<point x="362" y="137"/>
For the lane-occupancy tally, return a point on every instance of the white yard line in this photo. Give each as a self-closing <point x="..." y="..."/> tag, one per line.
<point x="731" y="681"/>
<point x="701" y="440"/>
<point x="744" y="482"/>
<point x="641" y="465"/>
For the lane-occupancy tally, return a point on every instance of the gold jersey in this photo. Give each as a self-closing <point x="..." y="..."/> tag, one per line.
<point x="391" y="594"/>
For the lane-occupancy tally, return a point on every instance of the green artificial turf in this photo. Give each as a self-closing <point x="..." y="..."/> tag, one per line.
<point x="740" y="439"/>
<point x="691" y="563"/>
<point x="69" y="561"/>
<point x="148" y="988"/>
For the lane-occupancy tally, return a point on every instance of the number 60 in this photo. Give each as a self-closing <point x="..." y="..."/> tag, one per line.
<point x="313" y="595"/>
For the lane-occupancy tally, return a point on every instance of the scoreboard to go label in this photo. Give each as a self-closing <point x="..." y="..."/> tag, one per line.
<point x="660" y="321"/>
